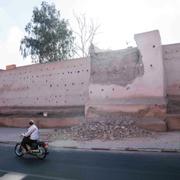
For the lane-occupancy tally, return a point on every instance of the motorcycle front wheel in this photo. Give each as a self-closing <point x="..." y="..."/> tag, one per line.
<point x="18" y="150"/>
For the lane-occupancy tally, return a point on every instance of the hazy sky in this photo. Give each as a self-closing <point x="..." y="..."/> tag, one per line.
<point x="119" y="20"/>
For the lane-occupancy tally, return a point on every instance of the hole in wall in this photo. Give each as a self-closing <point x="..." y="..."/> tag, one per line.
<point x="154" y="46"/>
<point x="50" y="85"/>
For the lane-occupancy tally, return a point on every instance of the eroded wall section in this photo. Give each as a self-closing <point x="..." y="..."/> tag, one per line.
<point x="128" y="80"/>
<point x="55" y="84"/>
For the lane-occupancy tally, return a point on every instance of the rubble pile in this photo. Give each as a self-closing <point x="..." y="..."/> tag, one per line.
<point x="103" y="130"/>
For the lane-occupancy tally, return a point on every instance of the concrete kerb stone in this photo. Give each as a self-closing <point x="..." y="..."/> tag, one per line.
<point x="128" y="149"/>
<point x="8" y="142"/>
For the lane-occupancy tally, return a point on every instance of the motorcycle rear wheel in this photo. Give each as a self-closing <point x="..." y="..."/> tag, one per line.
<point x="42" y="153"/>
<point x="18" y="150"/>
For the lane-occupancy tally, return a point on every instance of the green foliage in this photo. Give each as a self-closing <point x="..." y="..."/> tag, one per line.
<point x="47" y="37"/>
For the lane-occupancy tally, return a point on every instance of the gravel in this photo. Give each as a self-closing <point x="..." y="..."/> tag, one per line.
<point x="102" y="130"/>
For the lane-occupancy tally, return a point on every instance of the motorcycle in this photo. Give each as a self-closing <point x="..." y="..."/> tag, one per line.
<point x="38" y="149"/>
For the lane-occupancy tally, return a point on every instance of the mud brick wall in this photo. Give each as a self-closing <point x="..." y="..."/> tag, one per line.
<point x="55" y="84"/>
<point x="171" y="55"/>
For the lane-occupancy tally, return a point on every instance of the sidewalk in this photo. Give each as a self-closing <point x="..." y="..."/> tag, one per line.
<point x="12" y="135"/>
<point x="161" y="142"/>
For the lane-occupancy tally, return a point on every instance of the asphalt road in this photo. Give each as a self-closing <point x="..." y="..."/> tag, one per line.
<point x="90" y="165"/>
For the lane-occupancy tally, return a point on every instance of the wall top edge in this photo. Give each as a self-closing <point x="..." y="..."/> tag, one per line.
<point x="63" y="62"/>
<point x="166" y="45"/>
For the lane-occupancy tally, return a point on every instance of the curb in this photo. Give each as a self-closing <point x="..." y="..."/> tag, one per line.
<point x="117" y="149"/>
<point x="8" y="142"/>
<point x="127" y="149"/>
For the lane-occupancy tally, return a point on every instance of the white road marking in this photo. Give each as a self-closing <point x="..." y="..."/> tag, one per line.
<point x="16" y="176"/>
<point x="13" y="176"/>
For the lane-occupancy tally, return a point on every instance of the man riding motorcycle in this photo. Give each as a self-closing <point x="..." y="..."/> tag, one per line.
<point x="31" y="136"/>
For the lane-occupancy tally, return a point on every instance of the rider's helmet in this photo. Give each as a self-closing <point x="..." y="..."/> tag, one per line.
<point x="31" y="122"/>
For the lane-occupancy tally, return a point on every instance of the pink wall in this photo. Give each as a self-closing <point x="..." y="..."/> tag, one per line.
<point x="171" y="55"/>
<point x="55" y="84"/>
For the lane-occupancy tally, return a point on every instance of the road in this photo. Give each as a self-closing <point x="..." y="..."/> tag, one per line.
<point x="90" y="165"/>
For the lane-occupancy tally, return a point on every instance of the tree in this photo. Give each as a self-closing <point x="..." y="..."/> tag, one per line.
<point x="48" y="37"/>
<point x="85" y="34"/>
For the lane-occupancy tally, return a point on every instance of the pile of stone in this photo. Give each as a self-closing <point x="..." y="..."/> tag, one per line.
<point x="103" y="130"/>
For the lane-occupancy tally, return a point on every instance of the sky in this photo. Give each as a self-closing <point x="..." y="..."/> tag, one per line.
<point x="119" y="20"/>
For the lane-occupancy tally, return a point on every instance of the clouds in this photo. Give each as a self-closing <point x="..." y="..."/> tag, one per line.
<point x="119" y="20"/>
<point x="9" y="49"/>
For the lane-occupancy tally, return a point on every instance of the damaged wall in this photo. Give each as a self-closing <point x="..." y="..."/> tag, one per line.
<point x="130" y="73"/>
<point x="112" y="84"/>
<point x="119" y="67"/>
<point x="128" y="81"/>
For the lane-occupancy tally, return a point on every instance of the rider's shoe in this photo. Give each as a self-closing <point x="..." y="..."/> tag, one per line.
<point x="24" y="151"/>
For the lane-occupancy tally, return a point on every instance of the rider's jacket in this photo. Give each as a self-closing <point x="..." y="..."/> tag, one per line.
<point x="32" y="132"/>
